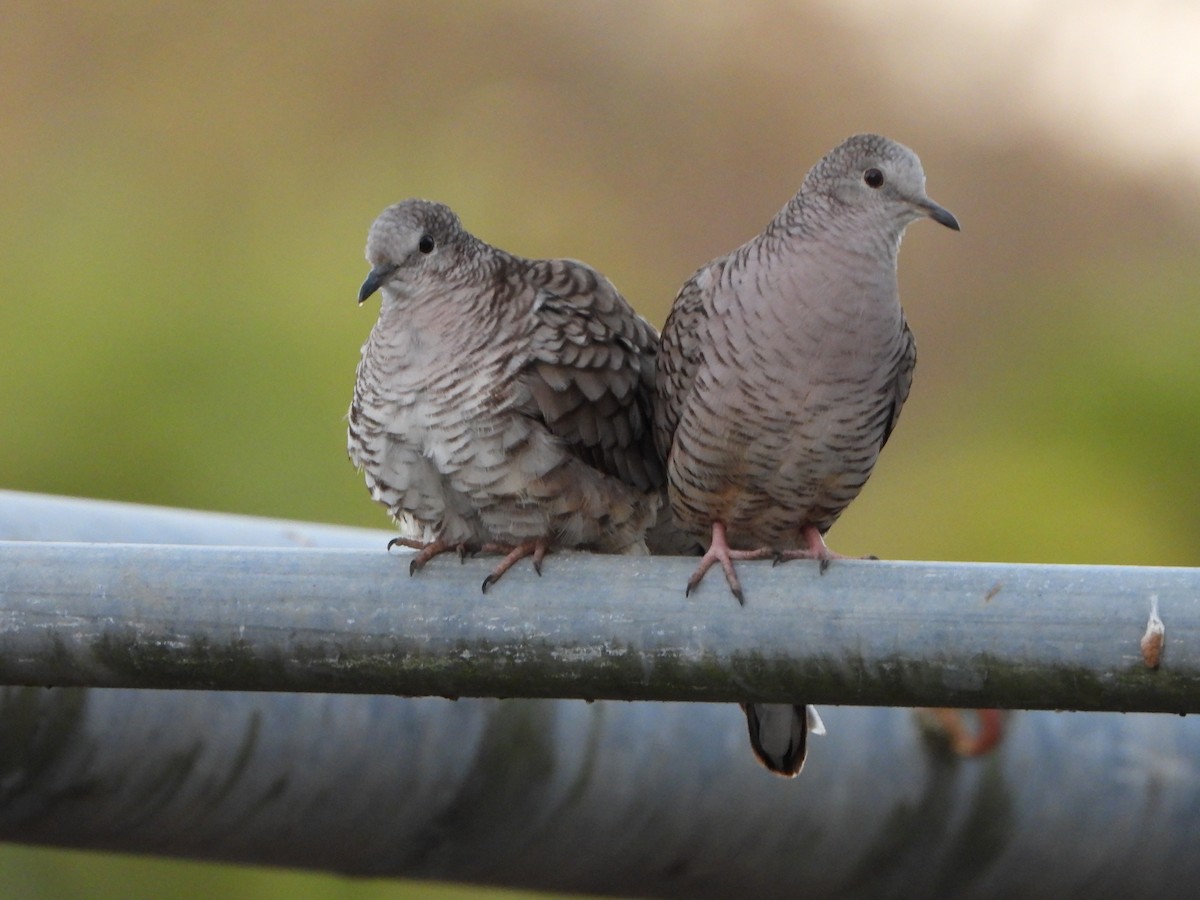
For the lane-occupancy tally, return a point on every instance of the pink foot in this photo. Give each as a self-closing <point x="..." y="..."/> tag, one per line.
<point x="816" y="549"/>
<point x="718" y="551"/>
<point x="426" y="552"/>
<point x="537" y="549"/>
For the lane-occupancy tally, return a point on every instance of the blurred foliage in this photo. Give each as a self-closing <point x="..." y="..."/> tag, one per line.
<point x="35" y="873"/>
<point x="187" y="189"/>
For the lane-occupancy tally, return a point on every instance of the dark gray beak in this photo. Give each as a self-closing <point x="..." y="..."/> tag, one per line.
<point x="377" y="277"/>
<point x="939" y="214"/>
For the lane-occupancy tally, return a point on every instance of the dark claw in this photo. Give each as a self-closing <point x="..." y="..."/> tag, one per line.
<point x="824" y="565"/>
<point x="413" y="568"/>
<point x="392" y="543"/>
<point x="741" y="598"/>
<point x="537" y="567"/>
<point x="687" y="591"/>
<point x="776" y="560"/>
<point x="488" y="582"/>
<point x="871" y="556"/>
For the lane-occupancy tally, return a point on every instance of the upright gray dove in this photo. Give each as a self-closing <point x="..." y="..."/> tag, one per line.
<point x="781" y="373"/>
<point x="502" y="404"/>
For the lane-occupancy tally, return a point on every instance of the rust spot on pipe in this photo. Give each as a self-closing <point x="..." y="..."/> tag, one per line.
<point x="1154" y="638"/>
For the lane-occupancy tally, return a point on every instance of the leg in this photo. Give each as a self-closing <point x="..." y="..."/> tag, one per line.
<point x="718" y="551"/>
<point x="537" y="549"/>
<point x="815" y="549"/>
<point x="426" y="552"/>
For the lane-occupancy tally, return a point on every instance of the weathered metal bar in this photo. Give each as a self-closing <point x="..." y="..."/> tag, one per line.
<point x="645" y="799"/>
<point x="46" y="517"/>
<point x="627" y="799"/>
<point x="595" y="627"/>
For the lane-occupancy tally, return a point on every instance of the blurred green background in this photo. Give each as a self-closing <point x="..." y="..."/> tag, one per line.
<point x="186" y="191"/>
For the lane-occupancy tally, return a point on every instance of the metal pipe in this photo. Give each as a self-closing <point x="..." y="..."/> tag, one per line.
<point x="627" y="799"/>
<point x="596" y="627"/>
<point x="45" y="517"/>
<point x="646" y="799"/>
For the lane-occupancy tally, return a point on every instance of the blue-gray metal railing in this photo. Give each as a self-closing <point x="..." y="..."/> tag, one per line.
<point x="596" y="627"/>
<point x="645" y="799"/>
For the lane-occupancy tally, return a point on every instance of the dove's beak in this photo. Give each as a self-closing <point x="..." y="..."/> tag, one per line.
<point x="939" y="214"/>
<point x="377" y="277"/>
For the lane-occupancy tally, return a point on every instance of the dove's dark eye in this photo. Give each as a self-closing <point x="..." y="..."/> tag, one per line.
<point x="873" y="178"/>
<point x="426" y="244"/>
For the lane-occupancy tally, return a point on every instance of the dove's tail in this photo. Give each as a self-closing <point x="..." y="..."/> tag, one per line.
<point x="779" y="734"/>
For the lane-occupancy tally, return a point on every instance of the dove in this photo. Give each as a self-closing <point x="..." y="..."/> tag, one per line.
<point x="782" y="369"/>
<point x="501" y="404"/>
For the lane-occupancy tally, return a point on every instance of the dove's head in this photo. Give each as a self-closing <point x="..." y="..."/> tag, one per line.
<point x="412" y="242"/>
<point x="869" y="179"/>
